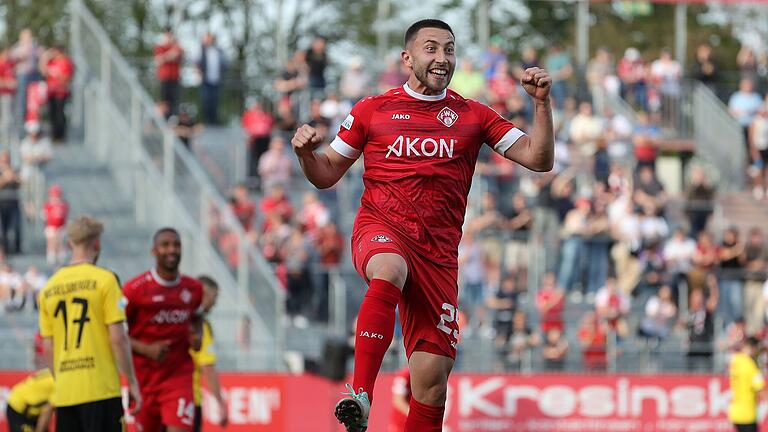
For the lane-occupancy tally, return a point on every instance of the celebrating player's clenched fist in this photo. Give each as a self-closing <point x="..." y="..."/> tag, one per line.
<point x="306" y="139"/>
<point x="537" y="83"/>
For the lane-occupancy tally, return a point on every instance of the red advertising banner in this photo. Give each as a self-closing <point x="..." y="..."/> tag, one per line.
<point x="520" y="403"/>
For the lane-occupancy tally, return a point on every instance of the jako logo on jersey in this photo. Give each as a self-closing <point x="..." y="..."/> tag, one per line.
<point x="381" y="238"/>
<point x="172" y="316"/>
<point x="372" y="335"/>
<point x="419" y="146"/>
<point x="401" y="116"/>
<point x="447" y="116"/>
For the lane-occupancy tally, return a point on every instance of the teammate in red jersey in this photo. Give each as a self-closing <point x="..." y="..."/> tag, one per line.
<point x="420" y="143"/>
<point x="163" y="324"/>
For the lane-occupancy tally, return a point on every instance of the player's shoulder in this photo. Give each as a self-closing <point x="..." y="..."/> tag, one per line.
<point x="138" y="281"/>
<point x="371" y="103"/>
<point x="471" y="104"/>
<point x="190" y="281"/>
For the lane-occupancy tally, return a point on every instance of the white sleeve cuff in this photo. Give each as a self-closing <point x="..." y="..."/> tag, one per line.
<point x="508" y="140"/>
<point x="344" y="149"/>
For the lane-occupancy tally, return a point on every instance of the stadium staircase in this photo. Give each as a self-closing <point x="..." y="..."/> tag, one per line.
<point x="148" y="179"/>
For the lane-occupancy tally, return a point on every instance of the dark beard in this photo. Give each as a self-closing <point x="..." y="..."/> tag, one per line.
<point x="423" y="76"/>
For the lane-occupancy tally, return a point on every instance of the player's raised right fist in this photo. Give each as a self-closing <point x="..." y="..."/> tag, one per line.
<point x="306" y="139"/>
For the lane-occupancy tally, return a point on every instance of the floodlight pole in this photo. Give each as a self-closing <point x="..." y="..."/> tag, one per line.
<point x="582" y="33"/>
<point x="382" y="39"/>
<point x="483" y="24"/>
<point x="681" y="32"/>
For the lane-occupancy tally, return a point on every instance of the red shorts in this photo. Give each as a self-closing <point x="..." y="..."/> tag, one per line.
<point x="171" y="405"/>
<point x="429" y="304"/>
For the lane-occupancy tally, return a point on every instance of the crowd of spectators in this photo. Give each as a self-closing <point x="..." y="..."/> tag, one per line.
<point x="35" y="86"/>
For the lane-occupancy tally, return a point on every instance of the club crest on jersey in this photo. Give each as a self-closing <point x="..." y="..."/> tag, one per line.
<point x="185" y="295"/>
<point x="381" y="238"/>
<point x="447" y="116"/>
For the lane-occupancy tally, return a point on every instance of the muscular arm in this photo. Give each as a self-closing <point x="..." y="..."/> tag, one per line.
<point x="44" y="418"/>
<point x="196" y="338"/>
<point x="322" y="169"/>
<point x="121" y="347"/>
<point x="139" y="347"/>
<point x="212" y="381"/>
<point x="537" y="151"/>
<point x="48" y="353"/>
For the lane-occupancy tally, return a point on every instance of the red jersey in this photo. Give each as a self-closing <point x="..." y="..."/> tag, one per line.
<point x="60" y="70"/>
<point x="257" y="123"/>
<point x="168" y="70"/>
<point x="55" y="213"/>
<point x="7" y="76"/>
<point x="401" y="386"/>
<point x="553" y="318"/>
<point x="161" y="310"/>
<point x="420" y="154"/>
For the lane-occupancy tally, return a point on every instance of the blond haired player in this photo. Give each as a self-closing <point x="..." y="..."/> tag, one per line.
<point x="82" y="323"/>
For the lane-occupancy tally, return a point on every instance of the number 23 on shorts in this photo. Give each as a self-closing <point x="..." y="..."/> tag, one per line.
<point x="451" y="315"/>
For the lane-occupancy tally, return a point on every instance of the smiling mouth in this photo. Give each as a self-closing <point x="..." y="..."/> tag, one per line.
<point x="440" y="73"/>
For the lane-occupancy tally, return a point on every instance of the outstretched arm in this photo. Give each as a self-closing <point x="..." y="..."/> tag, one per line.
<point x="323" y="169"/>
<point x="537" y="151"/>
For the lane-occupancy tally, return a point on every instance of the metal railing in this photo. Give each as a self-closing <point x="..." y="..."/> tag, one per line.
<point x="122" y="128"/>
<point x="719" y="138"/>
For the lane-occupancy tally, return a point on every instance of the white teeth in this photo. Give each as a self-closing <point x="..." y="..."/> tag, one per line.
<point x="439" y="72"/>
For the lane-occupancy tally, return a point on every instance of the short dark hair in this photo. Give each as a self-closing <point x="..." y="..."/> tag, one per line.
<point x="208" y="282"/>
<point x="425" y="23"/>
<point x="163" y="231"/>
<point x="752" y="341"/>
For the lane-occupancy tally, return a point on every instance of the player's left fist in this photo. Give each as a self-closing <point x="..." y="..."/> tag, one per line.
<point x="537" y="83"/>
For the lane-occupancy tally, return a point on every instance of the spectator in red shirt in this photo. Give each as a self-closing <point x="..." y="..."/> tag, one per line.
<point x="243" y="207"/>
<point x="168" y="58"/>
<point x="632" y="73"/>
<point x="550" y="302"/>
<point x="58" y="70"/>
<point x="276" y="165"/>
<point x="25" y="54"/>
<point x="313" y="215"/>
<point x="55" y="212"/>
<point x="329" y="245"/>
<point x="7" y="89"/>
<point x="257" y="125"/>
<point x="276" y="203"/>
<point x="612" y="307"/>
<point x="593" y="338"/>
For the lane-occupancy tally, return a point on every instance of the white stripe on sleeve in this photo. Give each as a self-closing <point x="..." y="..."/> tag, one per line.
<point x="508" y="140"/>
<point x="344" y="149"/>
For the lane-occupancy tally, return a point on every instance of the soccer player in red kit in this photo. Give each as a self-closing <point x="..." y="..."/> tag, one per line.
<point x="163" y="324"/>
<point x="420" y="143"/>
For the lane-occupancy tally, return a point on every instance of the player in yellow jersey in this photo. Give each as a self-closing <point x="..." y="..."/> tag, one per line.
<point x="29" y="407"/>
<point x="205" y="358"/>
<point x="746" y="383"/>
<point x="82" y="321"/>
